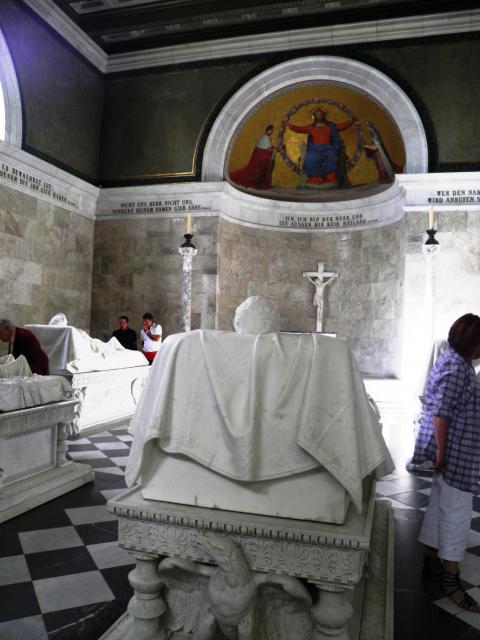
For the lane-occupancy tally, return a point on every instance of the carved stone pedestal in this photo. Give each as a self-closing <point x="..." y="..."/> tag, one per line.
<point x="106" y="397"/>
<point x="33" y="468"/>
<point x="229" y="575"/>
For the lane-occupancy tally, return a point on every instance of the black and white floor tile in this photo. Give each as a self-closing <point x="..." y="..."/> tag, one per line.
<point x="63" y="576"/>
<point x="62" y="573"/>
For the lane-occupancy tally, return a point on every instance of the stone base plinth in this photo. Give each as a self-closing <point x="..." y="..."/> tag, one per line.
<point x="230" y="574"/>
<point x="32" y="458"/>
<point x="32" y="492"/>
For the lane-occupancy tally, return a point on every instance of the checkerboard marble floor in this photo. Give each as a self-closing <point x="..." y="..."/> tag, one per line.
<point x="63" y="577"/>
<point x="62" y="574"/>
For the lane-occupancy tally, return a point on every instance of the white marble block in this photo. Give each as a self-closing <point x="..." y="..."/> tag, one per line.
<point x="33" y="466"/>
<point x="312" y="495"/>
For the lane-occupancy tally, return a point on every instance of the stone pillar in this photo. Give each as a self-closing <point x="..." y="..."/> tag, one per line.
<point x="331" y="613"/>
<point x="187" y="251"/>
<point x="430" y="250"/>
<point x="146" y="605"/>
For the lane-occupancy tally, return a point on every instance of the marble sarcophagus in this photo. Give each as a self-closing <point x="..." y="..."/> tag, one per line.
<point x="251" y="512"/>
<point x="33" y="466"/>
<point x="107" y="380"/>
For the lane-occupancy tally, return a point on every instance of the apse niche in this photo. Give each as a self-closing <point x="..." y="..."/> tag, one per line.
<point x="317" y="141"/>
<point x="309" y="152"/>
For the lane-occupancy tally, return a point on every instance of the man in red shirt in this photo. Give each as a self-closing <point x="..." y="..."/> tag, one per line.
<point x="324" y="146"/>
<point x="23" y="342"/>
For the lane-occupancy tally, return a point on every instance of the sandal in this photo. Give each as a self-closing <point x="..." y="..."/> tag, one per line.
<point x="451" y="585"/>
<point x="432" y="566"/>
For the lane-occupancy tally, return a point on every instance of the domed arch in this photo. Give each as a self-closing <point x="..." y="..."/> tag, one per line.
<point x="349" y="73"/>
<point x="10" y="98"/>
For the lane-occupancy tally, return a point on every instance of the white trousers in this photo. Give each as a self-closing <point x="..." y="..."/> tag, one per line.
<point x="447" y="520"/>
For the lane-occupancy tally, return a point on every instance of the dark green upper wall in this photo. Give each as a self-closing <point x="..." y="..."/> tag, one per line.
<point x="152" y="124"/>
<point x="443" y="74"/>
<point x="153" y="121"/>
<point x="61" y="92"/>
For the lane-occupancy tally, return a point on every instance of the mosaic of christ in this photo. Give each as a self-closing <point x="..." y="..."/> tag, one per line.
<point x="316" y="142"/>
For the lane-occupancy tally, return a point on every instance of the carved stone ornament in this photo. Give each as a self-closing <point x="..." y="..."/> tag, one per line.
<point x="222" y="601"/>
<point x="344" y="566"/>
<point x="247" y="582"/>
<point x="106" y="396"/>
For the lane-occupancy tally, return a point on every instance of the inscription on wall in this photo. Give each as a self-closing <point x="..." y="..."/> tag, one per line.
<point x="455" y="196"/>
<point x="33" y="184"/>
<point x="324" y="221"/>
<point x="158" y="206"/>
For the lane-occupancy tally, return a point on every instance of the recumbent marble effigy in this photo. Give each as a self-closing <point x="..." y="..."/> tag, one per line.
<point x="251" y="470"/>
<point x="35" y="414"/>
<point x="107" y="379"/>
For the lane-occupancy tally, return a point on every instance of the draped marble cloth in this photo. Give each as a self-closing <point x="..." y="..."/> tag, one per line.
<point x="259" y="407"/>
<point x="21" y="393"/>
<point x="19" y="388"/>
<point x="11" y="367"/>
<point x="72" y="350"/>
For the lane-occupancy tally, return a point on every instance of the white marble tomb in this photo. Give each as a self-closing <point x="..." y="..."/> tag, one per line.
<point x="239" y="556"/>
<point x="33" y="467"/>
<point x="107" y="379"/>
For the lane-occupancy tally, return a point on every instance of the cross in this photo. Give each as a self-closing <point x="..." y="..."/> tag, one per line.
<point x="317" y="278"/>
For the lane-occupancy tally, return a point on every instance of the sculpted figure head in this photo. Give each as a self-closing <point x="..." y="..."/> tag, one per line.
<point x="60" y="320"/>
<point x="256" y="315"/>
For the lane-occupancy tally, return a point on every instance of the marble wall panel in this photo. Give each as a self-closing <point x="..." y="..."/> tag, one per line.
<point x="137" y="269"/>
<point x="363" y="306"/>
<point x="45" y="261"/>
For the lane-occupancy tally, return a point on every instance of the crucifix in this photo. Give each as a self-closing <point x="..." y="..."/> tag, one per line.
<point x="320" y="280"/>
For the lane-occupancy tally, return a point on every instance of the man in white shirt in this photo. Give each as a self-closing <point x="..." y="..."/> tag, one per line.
<point x="151" y="337"/>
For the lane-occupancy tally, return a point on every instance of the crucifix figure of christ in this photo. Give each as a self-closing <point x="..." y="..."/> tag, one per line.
<point x="320" y="280"/>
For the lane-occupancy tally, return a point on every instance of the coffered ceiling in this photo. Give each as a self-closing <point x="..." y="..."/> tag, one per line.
<point x="121" y="26"/>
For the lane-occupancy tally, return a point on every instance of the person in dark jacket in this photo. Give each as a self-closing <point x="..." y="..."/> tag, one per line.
<point x="22" y="342"/>
<point x="126" y="336"/>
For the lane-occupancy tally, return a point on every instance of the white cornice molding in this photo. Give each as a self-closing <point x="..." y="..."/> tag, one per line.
<point x="28" y="174"/>
<point x="159" y="201"/>
<point x="459" y="191"/>
<point x="315" y="217"/>
<point x="66" y="28"/>
<point x="353" y="33"/>
<point x="11" y="96"/>
<point x="410" y="192"/>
